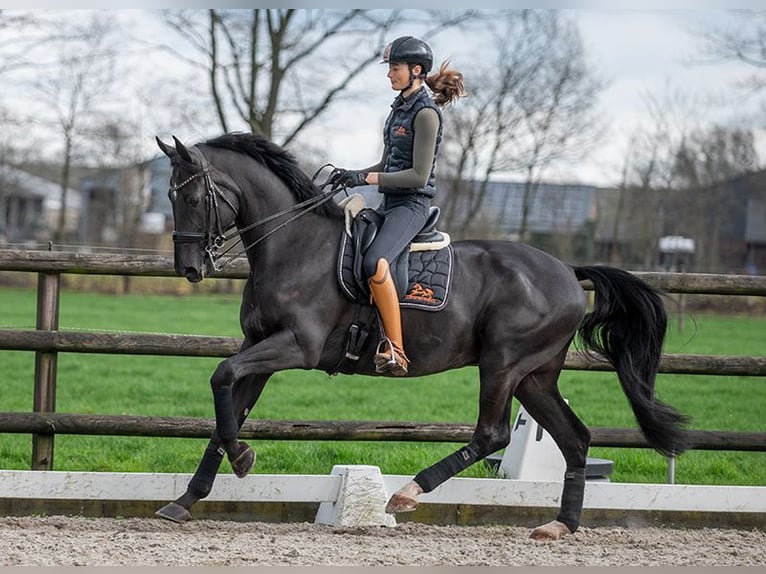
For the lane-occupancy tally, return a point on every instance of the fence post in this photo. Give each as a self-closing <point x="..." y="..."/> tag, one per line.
<point x="45" y="367"/>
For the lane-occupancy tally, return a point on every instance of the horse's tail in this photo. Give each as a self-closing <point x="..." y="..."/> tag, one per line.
<point x="627" y="326"/>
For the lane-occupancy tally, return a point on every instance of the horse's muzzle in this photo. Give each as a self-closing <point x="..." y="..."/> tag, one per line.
<point x="192" y="274"/>
<point x="189" y="260"/>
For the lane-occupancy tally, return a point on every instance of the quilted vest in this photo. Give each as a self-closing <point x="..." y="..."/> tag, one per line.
<point x="399" y="139"/>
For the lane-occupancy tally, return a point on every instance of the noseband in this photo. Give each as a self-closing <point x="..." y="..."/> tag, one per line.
<point x="216" y="240"/>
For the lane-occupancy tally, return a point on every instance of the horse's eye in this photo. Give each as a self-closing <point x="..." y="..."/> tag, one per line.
<point x="193" y="200"/>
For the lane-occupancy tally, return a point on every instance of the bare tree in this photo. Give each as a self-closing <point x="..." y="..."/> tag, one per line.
<point x="6" y="182"/>
<point x="743" y="40"/>
<point x="533" y="108"/>
<point x="675" y="181"/>
<point x="121" y="141"/>
<point x="275" y="71"/>
<point x="705" y="164"/>
<point x="72" y="87"/>
<point x="646" y="193"/>
<point x="19" y="32"/>
<point x="613" y="253"/>
<point x="557" y="119"/>
<point x="465" y="153"/>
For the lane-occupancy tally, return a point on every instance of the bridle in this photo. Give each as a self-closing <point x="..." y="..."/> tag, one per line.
<point x="215" y="236"/>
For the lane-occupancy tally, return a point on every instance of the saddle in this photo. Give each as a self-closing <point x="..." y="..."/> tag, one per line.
<point x="422" y="272"/>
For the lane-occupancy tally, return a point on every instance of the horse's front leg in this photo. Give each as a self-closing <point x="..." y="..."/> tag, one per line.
<point x="491" y="434"/>
<point x="276" y="353"/>
<point x="245" y="394"/>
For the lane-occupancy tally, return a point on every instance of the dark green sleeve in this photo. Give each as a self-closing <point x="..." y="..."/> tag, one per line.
<point x="426" y="127"/>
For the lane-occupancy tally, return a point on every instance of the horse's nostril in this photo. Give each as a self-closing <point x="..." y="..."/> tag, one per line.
<point x="193" y="275"/>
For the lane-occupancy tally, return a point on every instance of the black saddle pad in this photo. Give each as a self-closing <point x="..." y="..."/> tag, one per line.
<point x="427" y="282"/>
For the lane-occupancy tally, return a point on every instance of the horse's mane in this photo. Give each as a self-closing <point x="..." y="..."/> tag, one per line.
<point x="280" y="161"/>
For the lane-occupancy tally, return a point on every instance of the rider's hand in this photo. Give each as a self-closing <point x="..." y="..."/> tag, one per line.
<point x="348" y="178"/>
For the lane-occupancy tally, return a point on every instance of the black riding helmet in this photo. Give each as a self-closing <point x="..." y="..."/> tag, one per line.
<point x="409" y="50"/>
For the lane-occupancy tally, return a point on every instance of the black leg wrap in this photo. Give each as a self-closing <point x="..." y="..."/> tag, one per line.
<point x="572" y="498"/>
<point x="201" y="483"/>
<point x="226" y="423"/>
<point x="446" y="468"/>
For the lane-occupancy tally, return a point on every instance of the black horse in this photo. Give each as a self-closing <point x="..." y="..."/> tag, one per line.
<point x="513" y="310"/>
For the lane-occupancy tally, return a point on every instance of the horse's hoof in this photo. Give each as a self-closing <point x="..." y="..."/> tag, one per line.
<point x="174" y="512"/>
<point x="401" y="503"/>
<point x="554" y="530"/>
<point x="244" y="461"/>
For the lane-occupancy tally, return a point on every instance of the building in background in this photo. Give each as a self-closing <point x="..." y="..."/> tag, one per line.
<point x="725" y="223"/>
<point x="29" y="207"/>
<point x="129" y="208"/>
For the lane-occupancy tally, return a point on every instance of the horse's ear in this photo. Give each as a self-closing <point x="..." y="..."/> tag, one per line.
<point x="166" y="149"/>
<point x="182" y="151"/>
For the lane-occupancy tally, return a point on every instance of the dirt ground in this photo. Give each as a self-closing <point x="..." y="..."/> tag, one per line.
<point x="76" y="541"/>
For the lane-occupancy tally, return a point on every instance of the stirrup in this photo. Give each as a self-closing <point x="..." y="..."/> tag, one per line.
<point x="391" y="360"/>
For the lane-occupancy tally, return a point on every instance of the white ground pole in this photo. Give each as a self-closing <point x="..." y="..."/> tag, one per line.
<point x="351" y="489"/>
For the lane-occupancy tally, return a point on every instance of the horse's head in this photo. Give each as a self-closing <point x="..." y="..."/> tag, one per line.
<point x="204" y="207"/>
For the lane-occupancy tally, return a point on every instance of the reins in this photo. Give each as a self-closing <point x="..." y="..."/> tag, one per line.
<point x="301" y="208"/>
<point x="215" y="243"/>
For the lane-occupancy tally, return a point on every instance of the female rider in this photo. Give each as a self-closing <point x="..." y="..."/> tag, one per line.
<point x="405" y="176"/>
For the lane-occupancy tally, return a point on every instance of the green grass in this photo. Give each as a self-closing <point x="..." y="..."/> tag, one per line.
<point x="178" y="386"/>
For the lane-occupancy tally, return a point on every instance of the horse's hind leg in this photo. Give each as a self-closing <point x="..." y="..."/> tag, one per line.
<point x="540" y="396"/>
<point x="245" y="393"/>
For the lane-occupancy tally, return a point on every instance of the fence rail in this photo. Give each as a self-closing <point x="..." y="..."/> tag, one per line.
<point x="162" y="266"/>
<point x="47" y="341"/>
<point x="211" y="346"/>
<point x="187" y="427"/>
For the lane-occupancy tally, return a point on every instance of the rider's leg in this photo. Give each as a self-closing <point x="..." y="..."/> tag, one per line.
<point x="390" y="356"/>
<point x="402" y="222"/>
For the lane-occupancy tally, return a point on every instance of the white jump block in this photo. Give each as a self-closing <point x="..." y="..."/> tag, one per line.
<point x="532" y="454"/>
<point x="361" y="499"/>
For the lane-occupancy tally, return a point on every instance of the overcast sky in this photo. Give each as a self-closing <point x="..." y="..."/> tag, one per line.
<point x="658" y="52"/>
<point x="637" y="52"/>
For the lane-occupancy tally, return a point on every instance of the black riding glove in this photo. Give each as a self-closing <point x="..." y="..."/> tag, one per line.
<point x="348" y="178"/>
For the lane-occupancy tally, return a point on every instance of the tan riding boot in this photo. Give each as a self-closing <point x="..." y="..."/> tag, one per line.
<point x="390" y="357"/>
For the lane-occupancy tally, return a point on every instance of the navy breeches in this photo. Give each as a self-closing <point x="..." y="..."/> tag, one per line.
<point x="404" y="217"/>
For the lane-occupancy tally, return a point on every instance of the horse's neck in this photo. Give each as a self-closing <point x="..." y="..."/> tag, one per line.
<point x="305" y="236"/>
<point x="308" y="236"/>
<point x="263" y="201"/>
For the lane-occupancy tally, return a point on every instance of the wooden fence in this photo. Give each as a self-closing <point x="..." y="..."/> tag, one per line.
<point x="47" y="341"/>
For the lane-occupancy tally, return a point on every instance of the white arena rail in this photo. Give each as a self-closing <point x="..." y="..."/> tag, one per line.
<point x="355" y="495"/>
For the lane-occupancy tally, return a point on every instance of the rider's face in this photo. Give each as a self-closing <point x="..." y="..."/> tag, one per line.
<point x="399" y="75"/>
